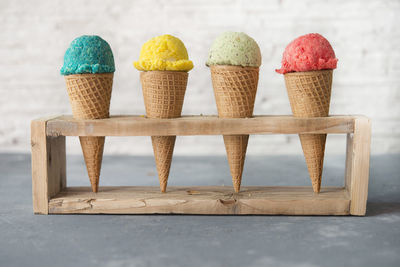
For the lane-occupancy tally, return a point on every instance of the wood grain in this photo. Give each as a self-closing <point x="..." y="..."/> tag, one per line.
<point x="202" y="200"/>
<point x="358" y="173"/>
<point x="197" y="125"/>
<point x="56" y="169"/>
<point x="48" y="165"/>
<point x="50" y="194"/>
<point x="349" y="162"/>
<point x="39" y="166"/>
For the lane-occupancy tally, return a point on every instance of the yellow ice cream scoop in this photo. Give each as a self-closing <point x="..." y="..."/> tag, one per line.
<point x="164" y="52"/>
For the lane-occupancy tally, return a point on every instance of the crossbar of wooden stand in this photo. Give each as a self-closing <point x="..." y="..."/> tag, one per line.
<point x="50" y="194"/>
<point x="198" y="125"/>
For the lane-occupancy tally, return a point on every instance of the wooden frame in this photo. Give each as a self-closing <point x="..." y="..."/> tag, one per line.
<point x="51" y="196"/>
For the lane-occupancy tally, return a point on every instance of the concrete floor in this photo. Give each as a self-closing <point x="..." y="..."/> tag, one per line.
<point x="108" y="240"/>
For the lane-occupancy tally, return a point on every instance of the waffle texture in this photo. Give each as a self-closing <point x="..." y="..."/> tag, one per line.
<point x="309" y="95"/>
<point x="90" y="96"/>
<point x="235" y="89"/>
<point x="163" y="93"/>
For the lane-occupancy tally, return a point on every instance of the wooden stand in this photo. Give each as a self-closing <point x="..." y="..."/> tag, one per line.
<point x="50" y="194"/>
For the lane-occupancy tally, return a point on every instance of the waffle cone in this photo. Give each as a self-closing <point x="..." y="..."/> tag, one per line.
<point x="235" y="91"/>
<point x="163" y="93"/>
<point x="90" y="95"/>
<point x="309" y="95"/>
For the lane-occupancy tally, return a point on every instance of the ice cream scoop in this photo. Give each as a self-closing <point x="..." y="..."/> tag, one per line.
<point x="88" y="71"/>
<point x="164" y="52"/>
<point x="234" y="61"/>
<point x="234" y="48"/>
<point x="88" y="54"/>
<point x="306" y="53"/>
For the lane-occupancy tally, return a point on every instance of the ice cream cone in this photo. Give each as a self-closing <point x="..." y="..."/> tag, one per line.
<point x="309" y="95"/>
<point x="90" y="95"/>
<point x="235" y="90"/>
<point x="163" y="93"/>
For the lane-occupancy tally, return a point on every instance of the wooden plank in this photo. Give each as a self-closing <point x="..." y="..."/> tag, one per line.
<point x="349" y="160"/>
<point x="202" y="200"/>
<point x="56" y="168"/>
<point x="359" y="170"/>
<point x="39" y="166"/>
<point x="48" y="165"/>
<point x="198" y="125"/>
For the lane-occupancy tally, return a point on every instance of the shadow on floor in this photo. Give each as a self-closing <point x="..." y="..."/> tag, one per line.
<point x="377" y="208"/>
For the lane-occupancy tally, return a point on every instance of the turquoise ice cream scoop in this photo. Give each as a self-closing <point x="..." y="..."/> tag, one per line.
<point x="88" y="54"/>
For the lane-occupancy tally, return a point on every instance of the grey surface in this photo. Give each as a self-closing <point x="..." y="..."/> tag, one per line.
<point x="126" y="240"/>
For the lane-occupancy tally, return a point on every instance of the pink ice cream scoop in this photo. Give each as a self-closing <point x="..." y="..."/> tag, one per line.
<point x="306" y="53"/>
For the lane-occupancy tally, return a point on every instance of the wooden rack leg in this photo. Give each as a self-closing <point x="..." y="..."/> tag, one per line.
<point x="48" y="165"/>
<point x="357" y="165"/>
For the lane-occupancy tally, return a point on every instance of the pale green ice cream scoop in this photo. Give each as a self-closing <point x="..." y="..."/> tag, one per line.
<point x="234" y="48"/>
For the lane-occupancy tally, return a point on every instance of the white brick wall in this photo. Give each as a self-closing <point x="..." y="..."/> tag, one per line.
<point x="364" y="34"/>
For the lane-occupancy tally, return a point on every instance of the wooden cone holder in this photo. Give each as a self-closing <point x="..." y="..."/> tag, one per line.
<point x="52" y="196"/>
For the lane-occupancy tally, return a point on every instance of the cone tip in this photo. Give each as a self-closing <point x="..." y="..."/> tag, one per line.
<point x="95" y="188"/>
<point x="236" y="187"/>
<point x="163" y="187"/>
<point x="316" y="188"/>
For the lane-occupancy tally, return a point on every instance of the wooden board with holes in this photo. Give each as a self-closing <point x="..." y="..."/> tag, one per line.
<point x="52" y="196"/>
